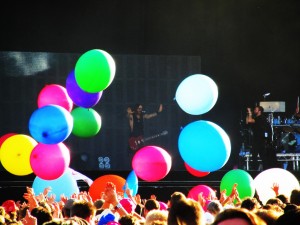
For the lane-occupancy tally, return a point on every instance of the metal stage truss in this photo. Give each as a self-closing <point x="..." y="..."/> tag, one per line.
<point x="281" y="157"/>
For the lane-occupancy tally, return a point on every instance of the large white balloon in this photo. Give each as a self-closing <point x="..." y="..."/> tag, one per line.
<point x="265" y="180"/>
<point x="197" y="94"/>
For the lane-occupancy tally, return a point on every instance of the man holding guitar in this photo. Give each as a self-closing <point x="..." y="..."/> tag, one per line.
<point x="136" y="118"/>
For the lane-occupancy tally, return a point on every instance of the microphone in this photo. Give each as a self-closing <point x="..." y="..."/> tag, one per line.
<point x="266" y="94"/>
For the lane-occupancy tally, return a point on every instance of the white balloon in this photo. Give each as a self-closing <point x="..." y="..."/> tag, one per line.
<point x="264" y="181"/>
<point x="197" y="94"/>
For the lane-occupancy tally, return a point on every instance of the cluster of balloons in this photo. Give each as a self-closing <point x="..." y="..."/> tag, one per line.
<point x="44" y="152"/>
<point x="203" y="145"/>
<point x="247" y="186"/>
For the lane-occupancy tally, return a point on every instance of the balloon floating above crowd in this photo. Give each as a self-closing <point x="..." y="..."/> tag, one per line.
<point x="241" y="178"/>
<point x="265" y="180"/>
<point x="152" y="168"/>
<point x="87" y="122"/>
<point x="204" y="146"/>
<point x="197" y="94"/>
<point x="49" y="162"/>
<point x="55" y="94"/>
<point x="15" y="154"/>
<point x="50" y="124"/>
<point x="80" y="97"/>
<point x="95" y="70"/>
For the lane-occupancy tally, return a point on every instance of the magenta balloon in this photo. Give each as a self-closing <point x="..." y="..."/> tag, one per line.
<point x="49" y="162"/>
<point x="79" y="96"/>
<point x="163" y="206"/>
<point x="151" y="163"/>
<point x="54" y="94"/>
<point x="206" y="192"/>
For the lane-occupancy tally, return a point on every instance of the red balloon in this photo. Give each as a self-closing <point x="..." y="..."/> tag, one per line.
<point x="194" y="172"/>
<point x="98" y="186"/>
<point x="4" y="137"/>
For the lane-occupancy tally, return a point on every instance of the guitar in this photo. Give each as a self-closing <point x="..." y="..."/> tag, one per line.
<point x="136" y="143"/>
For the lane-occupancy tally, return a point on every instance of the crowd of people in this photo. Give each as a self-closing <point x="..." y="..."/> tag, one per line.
<point x="113" y="208"/>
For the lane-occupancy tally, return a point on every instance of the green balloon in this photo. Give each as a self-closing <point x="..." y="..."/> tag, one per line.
<point x="95" y="70"/>
<point x="87" y="122"/>
<point x="244" y="181"/>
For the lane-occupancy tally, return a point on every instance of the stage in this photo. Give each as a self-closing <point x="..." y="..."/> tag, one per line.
<point x="284" y="158"/>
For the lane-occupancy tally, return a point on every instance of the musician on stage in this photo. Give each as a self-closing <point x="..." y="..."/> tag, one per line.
<point x="262" y="139"/>
<point x="136" y="117"/>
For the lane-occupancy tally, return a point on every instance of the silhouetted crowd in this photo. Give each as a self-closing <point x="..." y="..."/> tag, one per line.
<point x="113" y="208"/>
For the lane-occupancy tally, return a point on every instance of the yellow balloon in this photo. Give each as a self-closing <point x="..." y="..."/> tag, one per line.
<point x="15" y="154"/>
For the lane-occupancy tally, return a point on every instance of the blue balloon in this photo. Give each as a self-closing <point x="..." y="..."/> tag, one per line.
<point x="80" y="97"/>
<point x="204" y="146"/>
<point x="64" y="185"/>
<point x="132" y="183"/>
<point x="50" y="124"/>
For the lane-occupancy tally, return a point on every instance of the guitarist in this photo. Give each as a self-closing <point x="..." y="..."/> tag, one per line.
<point x="136" y="117"/>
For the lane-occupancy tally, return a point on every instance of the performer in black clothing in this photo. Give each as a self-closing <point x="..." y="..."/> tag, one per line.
<point x="136" y="118"/>
<point x="262" y="141"/>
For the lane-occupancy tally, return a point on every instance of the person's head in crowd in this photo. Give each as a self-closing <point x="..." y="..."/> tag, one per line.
<point x="285" y="199"/>
<point x="2" y="211"/>
<point x="275" y="201"/>
<point x="66" y="209"/>
<point x="186" y="211"/>
<point x="42" y="214"/>
<point x="149" y="205"/>
<point x="272" y="207"/>
<point x="269" y="215"/>
<point x="98" y="203"/>
<point x="175" y="198"/>
<point x="128" y="220"/>
<point x="291" y="217"/>
<point x="250" y="203"/>
<point x="214" y="207"/>
<point x="290" y="206"/>
<point x="295" y="197"/>
<point x="77" y="221"/>
<point x="83" y="209"/>
<point x="157" y="216"/>
<point x="45" y="205"/>
<point x="238" y="216"/>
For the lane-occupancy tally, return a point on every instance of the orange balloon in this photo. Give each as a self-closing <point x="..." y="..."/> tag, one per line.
<point x="98" y="186"/>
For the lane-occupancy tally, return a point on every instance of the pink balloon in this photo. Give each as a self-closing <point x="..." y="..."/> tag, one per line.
<point x="207" y="192"/>
<point x="54" y="94"/>
<point x="163" y="206"/>
<point x="151" y="163"/>
<point x="49" y="161"/>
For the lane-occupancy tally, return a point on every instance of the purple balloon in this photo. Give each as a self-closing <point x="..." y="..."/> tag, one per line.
<point x="80" y="97"/>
